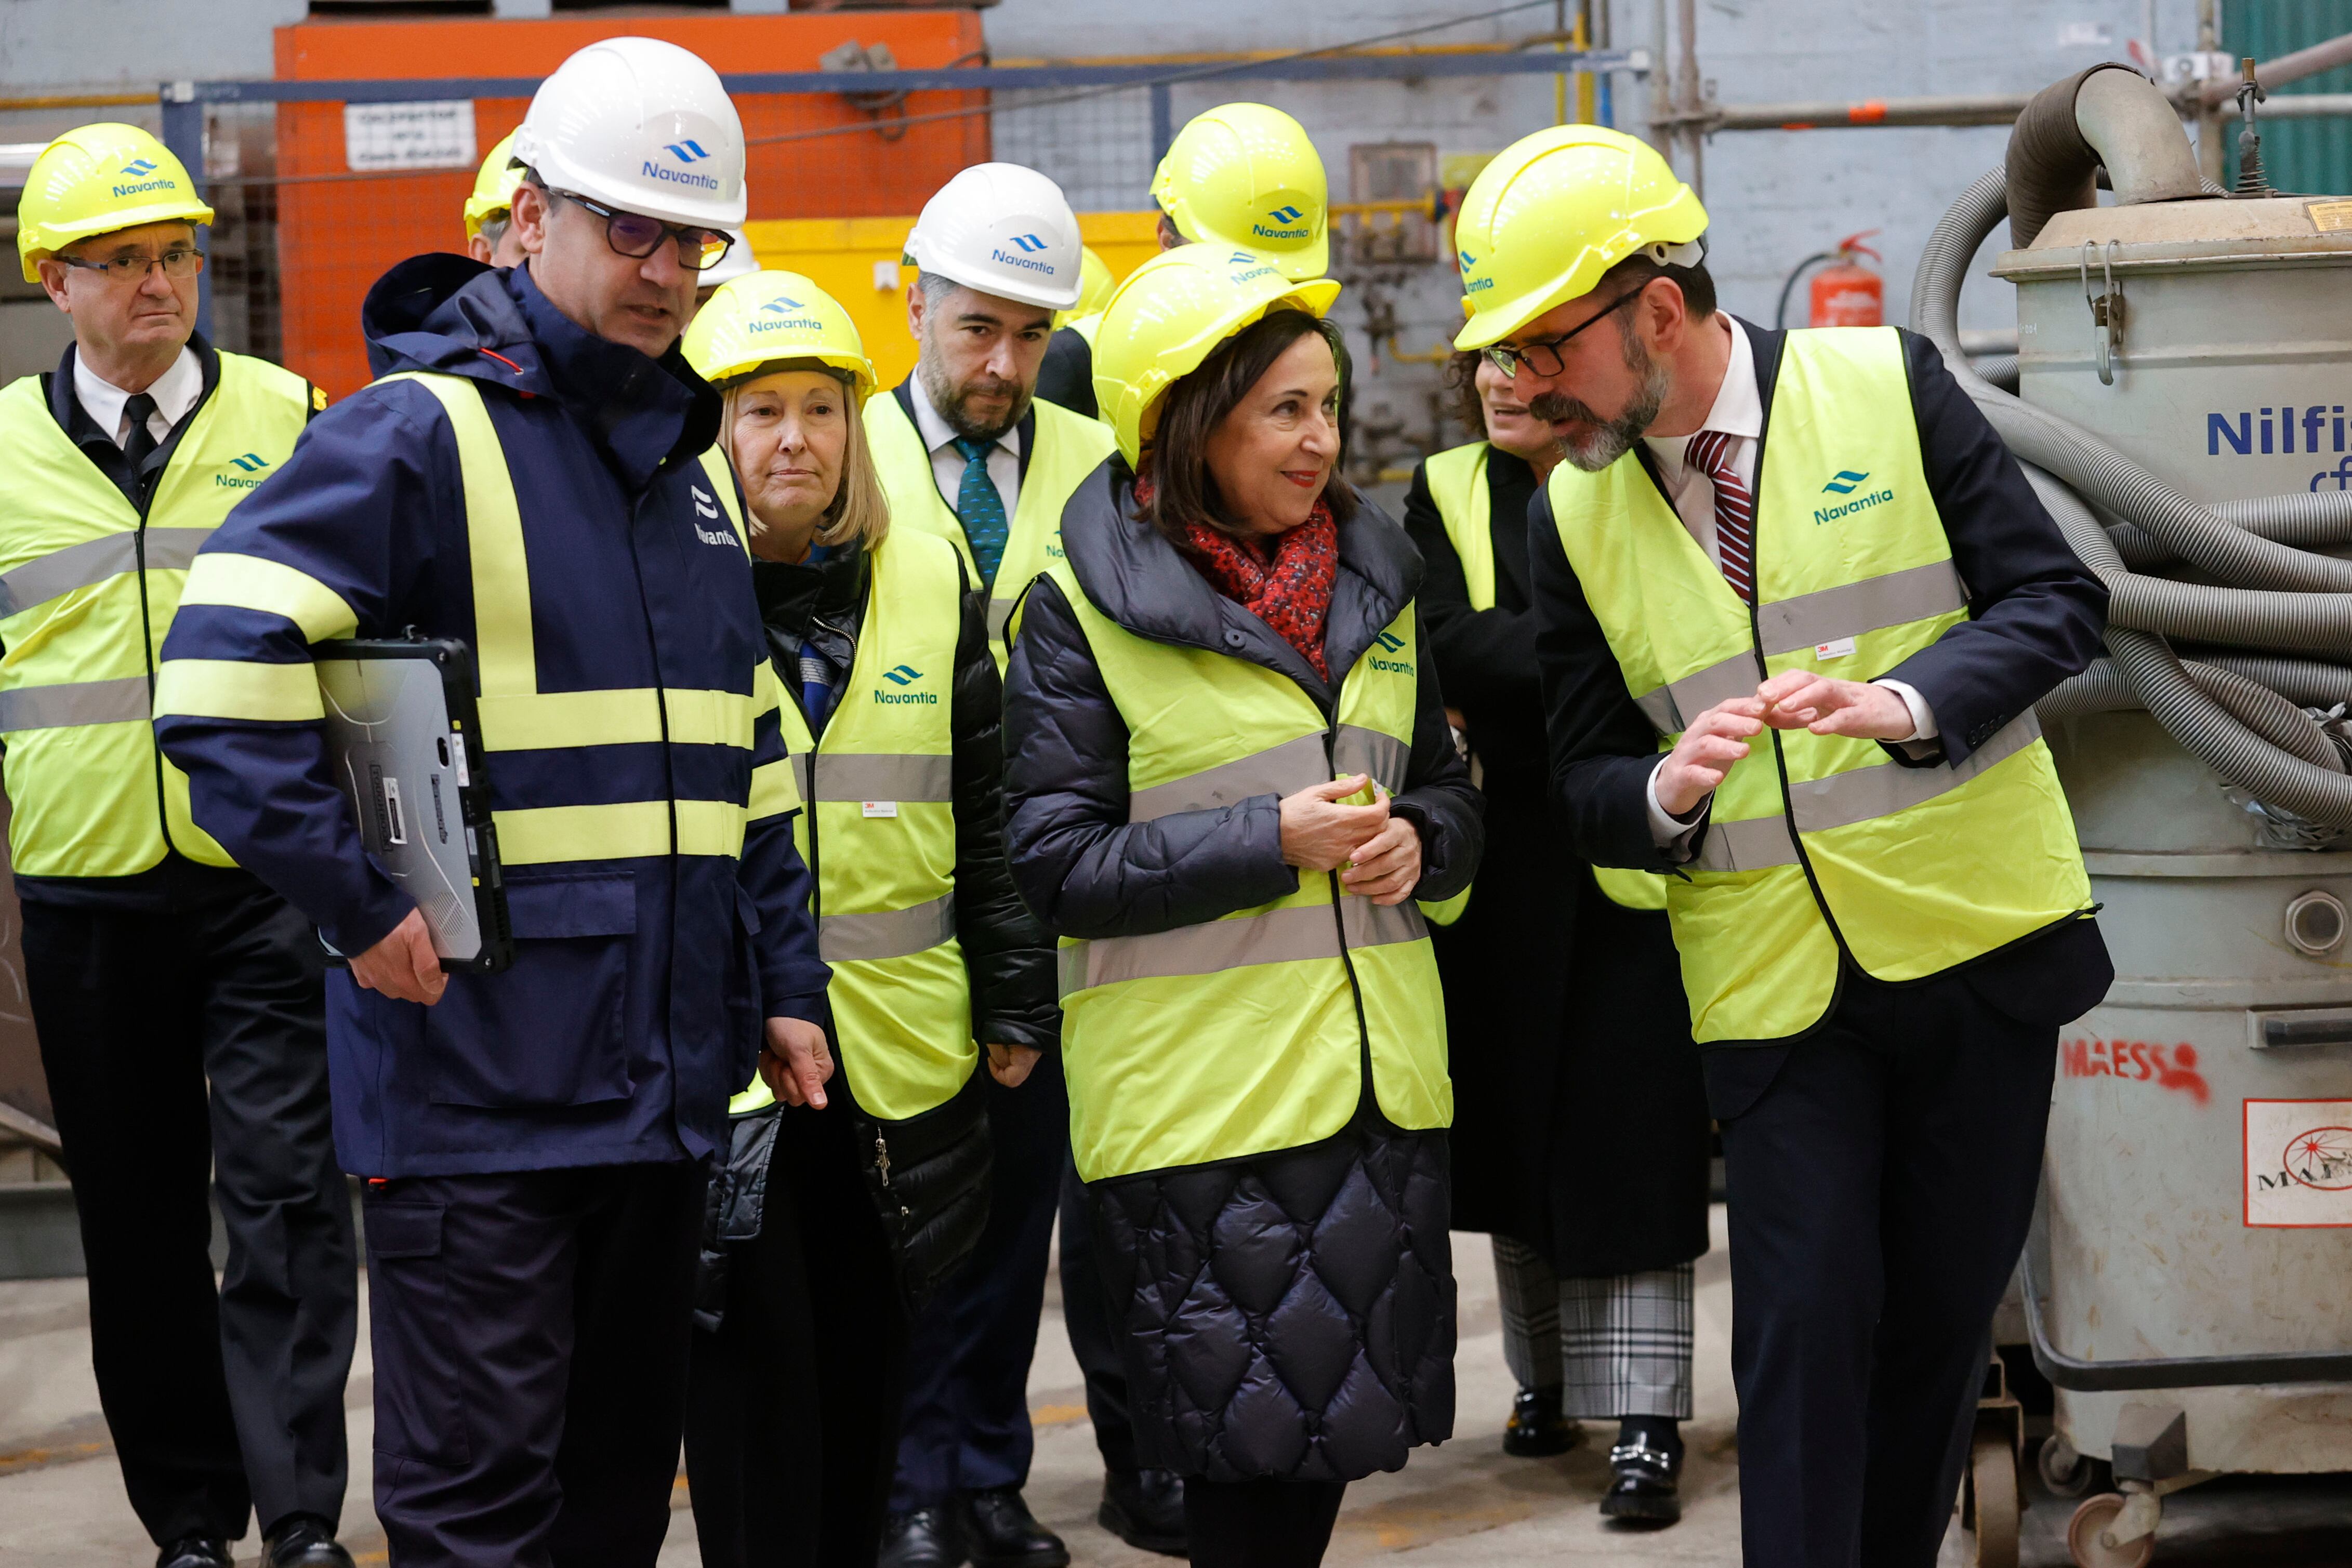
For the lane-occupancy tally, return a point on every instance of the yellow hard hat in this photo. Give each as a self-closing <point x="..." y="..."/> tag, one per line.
<point x="1552" y="213"/>
<point x="767" y="317"/>
<point x="1245" y="174"/>
<point x="1095" y="283"/>
<point x="1170" y="314"/>
<point x="97" y="180"/>
<point x="494" y="187"/>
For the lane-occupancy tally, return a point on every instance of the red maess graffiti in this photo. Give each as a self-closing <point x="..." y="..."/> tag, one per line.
<point x="2165" y="1066"/>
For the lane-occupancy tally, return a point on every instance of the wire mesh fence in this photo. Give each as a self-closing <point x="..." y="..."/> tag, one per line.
<point x="1098" y="150"/>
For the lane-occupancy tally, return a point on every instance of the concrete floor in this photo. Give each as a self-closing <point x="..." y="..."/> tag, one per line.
<point x="61" y="1504"/>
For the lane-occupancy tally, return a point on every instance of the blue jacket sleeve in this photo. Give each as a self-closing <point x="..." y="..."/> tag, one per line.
<point x="325" y="548"/>
<point x="771" y="873"/>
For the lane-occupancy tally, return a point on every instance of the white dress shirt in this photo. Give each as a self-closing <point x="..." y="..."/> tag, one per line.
<point x="175" y="391"/>
<point x="947" y="464"/>
<point x="1738" y="413"/>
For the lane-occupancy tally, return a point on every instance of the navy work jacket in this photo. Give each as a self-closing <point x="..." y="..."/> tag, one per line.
<point x="633" y="1009"/>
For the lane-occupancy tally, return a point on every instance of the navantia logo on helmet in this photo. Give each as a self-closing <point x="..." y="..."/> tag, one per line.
<point x="1253" y="267"/>
<point x="1472" y="285"/>
<point x="784" y="318"/>
<point x="139" y="169"/>
<point x="1286" y="218"/>
<point x="687" y="152"/>
<point x="1028" y="245"/>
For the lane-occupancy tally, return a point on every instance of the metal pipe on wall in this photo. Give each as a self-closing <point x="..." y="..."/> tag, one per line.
<point x="1687" y="96"/>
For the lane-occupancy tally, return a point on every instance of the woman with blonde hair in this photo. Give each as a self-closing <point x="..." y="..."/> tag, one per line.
<point x="832" y="1221"/>
<point x="1229" y="776"/>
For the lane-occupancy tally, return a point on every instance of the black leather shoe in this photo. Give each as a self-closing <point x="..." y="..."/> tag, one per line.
<point x="1146" y="1509"/>
<point x="195" y="1551"/>
<point x="1536" y="1428"/>
<point x="926" y="1538"/>
<point x="303" y="1540"/>
<point x="1001" y="1533"/>
<point x="1646" y="1489"/>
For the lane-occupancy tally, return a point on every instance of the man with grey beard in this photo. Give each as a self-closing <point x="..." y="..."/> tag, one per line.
<point x="1796" y="603"/>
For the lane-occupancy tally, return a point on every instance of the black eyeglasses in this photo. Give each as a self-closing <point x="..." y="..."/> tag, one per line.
<point x="1534" y="355"/>
<point x="637" y="236"/>
<point x="179" y="264"/>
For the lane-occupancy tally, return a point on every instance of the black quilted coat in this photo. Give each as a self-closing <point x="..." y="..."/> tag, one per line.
<point x="1289" y="1315"/>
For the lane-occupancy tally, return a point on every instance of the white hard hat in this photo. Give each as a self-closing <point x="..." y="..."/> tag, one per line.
<point x="1003" y="230"/>
<point x="641" y="126"/>
<point x="738" y="262"/>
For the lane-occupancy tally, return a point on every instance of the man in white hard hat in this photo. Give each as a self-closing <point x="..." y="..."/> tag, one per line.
<point x="533" y="476"/>
<point x="964" y="450"/>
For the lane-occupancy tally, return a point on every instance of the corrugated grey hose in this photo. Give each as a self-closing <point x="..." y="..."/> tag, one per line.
<point x="2277" y="595"/>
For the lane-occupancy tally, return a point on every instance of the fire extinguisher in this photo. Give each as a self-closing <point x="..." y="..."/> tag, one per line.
<point x="1846" y="293"/>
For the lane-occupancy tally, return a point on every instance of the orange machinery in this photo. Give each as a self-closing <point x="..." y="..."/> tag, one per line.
<point x="337" y="234"/>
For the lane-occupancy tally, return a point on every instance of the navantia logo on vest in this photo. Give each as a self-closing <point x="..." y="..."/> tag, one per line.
<point x="688" y="154"/>
<point x="1392" y="643"/>
<point x="1845" y="482"/>
<point x="1028" y="245"/>
<point x="251" y="463"/>
<point x="905" y="675"/>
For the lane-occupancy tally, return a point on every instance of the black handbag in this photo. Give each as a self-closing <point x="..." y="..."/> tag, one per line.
<point x="928" y="1178"/>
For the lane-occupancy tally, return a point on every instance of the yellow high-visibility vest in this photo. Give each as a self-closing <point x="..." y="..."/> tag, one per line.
<point x="87" y="590"/>
<point x="1816" y="842"/>
<point x="1247" y="1034"/>
<point x="880" y="837"/>
<point x="516" y="716"/>
<point x="1068" y="448"/>
<point x="1457" y="484"/>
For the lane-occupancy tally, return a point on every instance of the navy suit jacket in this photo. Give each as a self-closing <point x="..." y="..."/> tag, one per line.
<point x="2036" y="613"/>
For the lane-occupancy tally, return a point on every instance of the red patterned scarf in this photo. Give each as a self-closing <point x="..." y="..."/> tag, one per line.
<point x="1285" y="579"/>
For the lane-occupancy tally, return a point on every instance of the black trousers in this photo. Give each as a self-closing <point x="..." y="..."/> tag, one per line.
<point x="1260" y="1524"/>
<point x="186" y="1051"/>
<point x="967" y="1412"/>
<point x="530" y="1334"/>
<point x="791" y="1410"/>
<point x="1881" y="1184"/>
<point x="1087" y="1313"/>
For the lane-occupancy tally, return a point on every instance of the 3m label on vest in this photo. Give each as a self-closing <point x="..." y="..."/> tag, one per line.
<point x="878" y="808"/>
<point x="2298" y="1163"/>
<point x="1835" y="648"/>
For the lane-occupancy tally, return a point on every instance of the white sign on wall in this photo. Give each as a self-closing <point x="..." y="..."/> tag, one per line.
<point x="430" y="135"/>
<point x="2299" y="1163"/>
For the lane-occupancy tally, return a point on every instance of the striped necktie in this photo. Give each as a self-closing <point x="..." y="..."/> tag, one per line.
<point x="980" y="509"/>
<point x="1709" y="452"/>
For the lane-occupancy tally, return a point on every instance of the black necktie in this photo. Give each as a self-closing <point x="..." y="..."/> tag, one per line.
<point x="139" y="408"/>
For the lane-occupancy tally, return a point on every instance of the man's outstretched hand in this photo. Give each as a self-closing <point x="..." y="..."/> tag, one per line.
<point x="1800" y="699"/>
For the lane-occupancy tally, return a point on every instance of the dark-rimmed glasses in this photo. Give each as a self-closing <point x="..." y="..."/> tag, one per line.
<point x="180" y="263"/>
<point x="1534" y="355"/>
<point x="637" y="236"/>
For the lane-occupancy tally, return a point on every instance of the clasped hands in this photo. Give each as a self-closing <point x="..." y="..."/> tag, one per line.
<point x="1380" y="851"/>
<point x="1793" y="699"/>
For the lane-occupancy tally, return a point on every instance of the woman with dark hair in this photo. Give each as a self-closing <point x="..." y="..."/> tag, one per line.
<point x="1229" y="775"/>
<point x="1583" y="1145"/>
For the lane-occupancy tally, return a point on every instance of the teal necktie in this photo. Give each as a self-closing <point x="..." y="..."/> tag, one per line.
<point x="980" y="509"/>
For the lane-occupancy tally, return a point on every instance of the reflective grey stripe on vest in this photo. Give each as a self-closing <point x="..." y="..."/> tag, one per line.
<point x="999" y="615"/>
<point x="1278" y="936"/>
<point x="1282" y="770"/>
<point x="1371" y="751"/>
<point x="93" y="561"/>
<point x="124" y="700"/>
<point x="799" y="761"/>
<point x="893" y="935"/>
<point x="879" y="776"/>
<point x="1857" y="795"/>
<point x="1896" y="599"/>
